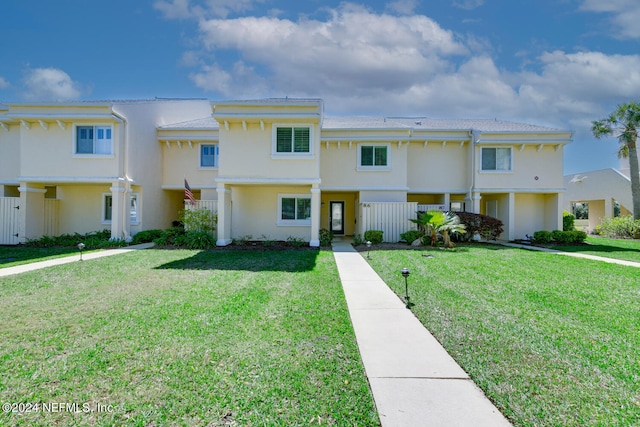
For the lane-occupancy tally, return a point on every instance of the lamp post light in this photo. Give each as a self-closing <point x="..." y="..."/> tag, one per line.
<point x="81" y="246"/>
<point x="368" y="249"/>
<point x="405" y="274"/>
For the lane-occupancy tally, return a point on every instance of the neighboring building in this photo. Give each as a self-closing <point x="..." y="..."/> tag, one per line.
<point x="604" y="193"/>
<point x="272" y="169"/>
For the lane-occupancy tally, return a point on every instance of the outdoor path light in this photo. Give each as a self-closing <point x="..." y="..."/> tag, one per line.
<point x="368" y="249"/>
<point x="81" y="246"/>
<point x="405" y="274"/>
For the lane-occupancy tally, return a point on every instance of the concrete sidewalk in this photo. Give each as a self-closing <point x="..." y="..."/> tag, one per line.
<point x="71" y="258"/>
<point x="413" y="379"/>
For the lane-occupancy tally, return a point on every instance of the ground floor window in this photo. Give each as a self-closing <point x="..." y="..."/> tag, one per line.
<point x="107" y="208"/>
<point x="294" y="209"/>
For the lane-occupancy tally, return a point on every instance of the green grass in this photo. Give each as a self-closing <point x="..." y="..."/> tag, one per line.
<point x="553" y="341"/>
<point x="628" y="250"/>
<point x="11" y="256"/>
<point x="233" y="338"/>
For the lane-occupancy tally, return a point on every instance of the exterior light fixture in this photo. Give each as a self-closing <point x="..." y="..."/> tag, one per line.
<point x="368" y="249"/>
<point x="405" y="273"/>
<point x="81" y="246"/>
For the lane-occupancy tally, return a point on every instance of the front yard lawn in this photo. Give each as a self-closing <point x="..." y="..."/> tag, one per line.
<point x="624" y="249"/>
<point x="552" y="340"/>
<point x="178" y="337"/>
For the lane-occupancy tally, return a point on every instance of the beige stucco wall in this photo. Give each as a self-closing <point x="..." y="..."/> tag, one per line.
<point x="527" y="164"/>
<point x="530" y="214"/>
<point x="339" y="168"/>
<point x="255" y="212"/>
<point x="80" y="208"/>
<point x="437" y="168"/>
<point x="248" y="154"/>
<point x="10" y="153"/>
<point x="180" y="162"/>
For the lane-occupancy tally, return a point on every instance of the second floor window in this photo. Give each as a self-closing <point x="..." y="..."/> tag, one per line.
<point x="94" y="140"/>
<point x="374" y="157"/>
<point x="209" y="156"/>
<point x="496" y="159"/>
<point x="293" y="140"/>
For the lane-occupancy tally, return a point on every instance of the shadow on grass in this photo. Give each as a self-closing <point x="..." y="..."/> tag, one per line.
<point x="13" y="255"/>
<point x="242" y="260"/>
<point x="593" y="248"/>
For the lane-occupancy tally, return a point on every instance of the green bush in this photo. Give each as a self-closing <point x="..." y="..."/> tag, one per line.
<point x="568" y="221"/>
<point x="169" y="237"/>
<point x="326" y="236"/>
<point x="559" y="236"/>
<point x="91" y="240"/>
<point x="411" y="235"/>
<point x="373" y="236"/>
<point x="296" y="242"/>
<point x="145" y="236"/>
<point x="357" y="240"/>
<point x="199" y="219"/>
<point x="197" y="240"/>
<point x="622" y="227"/>
<point x="578" y="236"/>
<point x="542" y="236"/>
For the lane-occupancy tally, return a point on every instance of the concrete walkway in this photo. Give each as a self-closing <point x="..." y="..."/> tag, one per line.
<point x="413" y="379"/>
<point x="71" y="258"/>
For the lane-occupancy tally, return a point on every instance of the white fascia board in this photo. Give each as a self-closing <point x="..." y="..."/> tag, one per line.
<point x="193" y="186"/>
<point x="533" y="141"/>
<point x="361" y="188"/>
<point x="268" y="181"/>
<point x="71" y="179"/>
<point x="519" y="190"/>
<point x="236" y="117"/>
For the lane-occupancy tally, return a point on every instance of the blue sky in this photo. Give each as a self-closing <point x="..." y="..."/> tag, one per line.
<point x="558" y="63"/>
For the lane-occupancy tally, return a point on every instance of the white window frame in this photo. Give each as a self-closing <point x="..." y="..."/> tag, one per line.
<point x="96" y="127"/>
<point x="292" y="155"/>
<point x="216" y="156"/>
<point x="292" y="222"/>
<point x="498" y="171"/>
<point x="103" y="211"/>
<point x="374" y="168"/>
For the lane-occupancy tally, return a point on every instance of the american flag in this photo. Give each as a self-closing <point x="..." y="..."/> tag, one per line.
<point x="188" y="194"/>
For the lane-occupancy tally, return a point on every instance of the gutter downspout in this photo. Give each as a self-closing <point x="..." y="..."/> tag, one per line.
<point x="474" y="135"/>
<point x="124" y="176"/>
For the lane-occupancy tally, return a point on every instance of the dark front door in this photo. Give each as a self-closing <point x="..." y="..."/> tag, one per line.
<point x="336" y="212"/>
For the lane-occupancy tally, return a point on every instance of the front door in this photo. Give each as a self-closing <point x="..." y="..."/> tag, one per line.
<point x="336" y="212"/>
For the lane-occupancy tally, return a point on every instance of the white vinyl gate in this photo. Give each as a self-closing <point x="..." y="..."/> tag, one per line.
<point x="9" y="220"/>
<point x="391" y="217"/>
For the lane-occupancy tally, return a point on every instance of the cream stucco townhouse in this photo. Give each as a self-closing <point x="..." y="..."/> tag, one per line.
<point x="272" y="169"/>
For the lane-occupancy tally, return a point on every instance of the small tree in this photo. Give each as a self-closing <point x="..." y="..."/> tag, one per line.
<point x="624" y="124"/>
<point x="199" y="220"/>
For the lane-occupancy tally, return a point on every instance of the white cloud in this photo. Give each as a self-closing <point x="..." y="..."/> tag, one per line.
<point x="468" y="4"/>
<point x="3" y="83"/>
<point x="625" y="15"/>
<point x="184" y="9"/>
<point x="403" y="7"/>
<point x="341" y="53"/>
<point x="50" y="84"/>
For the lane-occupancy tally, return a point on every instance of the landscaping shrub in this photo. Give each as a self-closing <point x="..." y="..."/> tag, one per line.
<point x="197" y="240"/>
<point x="169" y="237"/>
<point x="411" y="235"/>
<point x="357" y="240"/>
<point x="296" y="242"/>
<point x="91" y="240"/>
<point x="487" y="227"/>
<point x="622" y="227"/>
<point x="568" y="221"/>
<point x="542" y="236"/>
<point x="146" y="236"/>
<point x="326" y="236"/>
<point x="558" y="236"/>
<point x="578" y="236"/>
<point x="199" y="219"/>
<point x="373" y="236"/>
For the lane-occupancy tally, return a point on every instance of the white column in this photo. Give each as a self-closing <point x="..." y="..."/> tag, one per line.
<point x="511" y="227"/>
<point x="315" y="216"/>
<point x="475" y="202"/>
<point x="118" y="204"/>
<point x="31" y="211"/>
<point x="447" y="201"/>
<point x="224" y="215"/>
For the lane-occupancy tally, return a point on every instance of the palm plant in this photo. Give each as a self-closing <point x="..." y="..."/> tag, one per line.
<point x="624" y="124"/>
<point x="444" y="223"/>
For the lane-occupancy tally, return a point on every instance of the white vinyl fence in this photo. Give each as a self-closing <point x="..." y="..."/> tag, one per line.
<point x="390" y="217"/>
<point x="51" y="207"/>
<point x="9" y="220"/>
